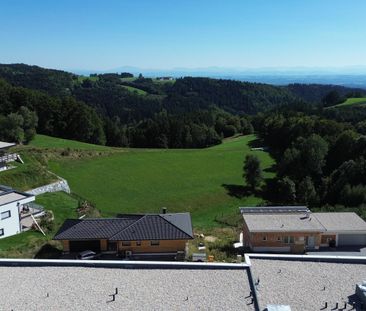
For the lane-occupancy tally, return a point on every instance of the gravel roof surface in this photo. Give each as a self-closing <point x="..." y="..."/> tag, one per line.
<point x="338" y="222"/>
<point x="282" y="223"/>
<point x="300" y="284"/>
<point x="78" y="288"/>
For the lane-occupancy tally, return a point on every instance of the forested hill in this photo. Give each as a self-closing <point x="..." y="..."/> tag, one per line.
<point x="232" y="96"/>
<point x="123" y="110"/>
<point x="54" y="82"/>
<point x="314" y="93"/>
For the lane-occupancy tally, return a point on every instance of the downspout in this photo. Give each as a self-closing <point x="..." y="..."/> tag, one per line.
<point x="19" y="219"/>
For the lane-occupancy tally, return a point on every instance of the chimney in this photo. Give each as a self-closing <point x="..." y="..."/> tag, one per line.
<point x="163" y="210"/>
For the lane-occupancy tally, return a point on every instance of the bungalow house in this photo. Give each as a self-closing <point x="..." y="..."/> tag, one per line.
<point x="129" y="235"/>
<point x="295" y="229"/>
<point x="12" y="205"/>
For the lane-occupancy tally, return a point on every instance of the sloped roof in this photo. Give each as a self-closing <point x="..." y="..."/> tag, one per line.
<point x="157" y="227"/>
<point x="338" y="222"/>
<point x="282" y="223"/>
<point x="129" y="228"/>
<point x="90" y="229"/>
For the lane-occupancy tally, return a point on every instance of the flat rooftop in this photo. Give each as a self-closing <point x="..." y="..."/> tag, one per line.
<point x="6" y="198"/>
<point x="306" y="285"/>
<point x="4" y="145"/>
<point x="87" y="288"/>
<point x="282" y="223"/>
<point x="338" y="222"/>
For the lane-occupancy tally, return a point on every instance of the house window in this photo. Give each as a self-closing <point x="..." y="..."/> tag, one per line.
<point x="264" y="238"/>
<point x="138" y="243"/>
<point x="288" y="239"/>
<point x="5" y="215"/>
<point x="112" y="246"/>
<point x="126" y="243"/>
<point x="1" y="232"/>
<point x="154" y="243"/>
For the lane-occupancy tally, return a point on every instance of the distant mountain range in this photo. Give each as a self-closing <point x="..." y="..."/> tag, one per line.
<point x="352" y="76"/>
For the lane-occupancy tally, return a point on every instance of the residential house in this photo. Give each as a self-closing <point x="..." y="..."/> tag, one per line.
<point x="296" y="229"/>
<point x="129" y="235"/>
<point x="13" y="204"/>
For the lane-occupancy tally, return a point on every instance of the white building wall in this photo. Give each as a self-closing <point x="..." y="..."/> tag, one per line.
<point x="11" y="225"/>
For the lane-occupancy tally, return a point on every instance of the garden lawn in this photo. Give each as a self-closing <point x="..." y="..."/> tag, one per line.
<point x="146" y="180"/>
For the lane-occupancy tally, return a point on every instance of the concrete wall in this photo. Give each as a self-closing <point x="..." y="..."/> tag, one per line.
<point x="60" y="185"/>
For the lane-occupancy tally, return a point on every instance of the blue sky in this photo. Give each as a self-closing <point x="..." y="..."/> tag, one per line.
<point x="90" y="34"/>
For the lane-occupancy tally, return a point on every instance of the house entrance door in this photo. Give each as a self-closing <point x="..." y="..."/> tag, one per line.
<point x="311" y="242"/>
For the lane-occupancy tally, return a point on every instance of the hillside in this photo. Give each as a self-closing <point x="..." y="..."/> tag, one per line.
<point x="54" y="82"/>
<point x="120" y="110"/>
<point x="206" y="182"/>
<point x="44" y="141"/>
<point x="314" y="93"/>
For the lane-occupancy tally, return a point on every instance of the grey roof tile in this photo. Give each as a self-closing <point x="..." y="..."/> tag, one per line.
<point x="129" y="227"/>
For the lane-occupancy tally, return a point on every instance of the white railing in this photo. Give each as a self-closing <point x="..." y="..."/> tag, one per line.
<point x="9" y="157"/>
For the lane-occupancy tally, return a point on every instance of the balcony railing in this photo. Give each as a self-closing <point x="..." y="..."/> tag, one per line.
<point x="31" y="208"/>
<point x="9" y="157"/>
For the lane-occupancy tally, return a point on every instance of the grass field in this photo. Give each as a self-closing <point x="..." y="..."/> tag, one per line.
<point x="43" y="141"/>
<point x="352" y="102"/>
<point x="146" y="180"/>
<point x="134" y="90"/>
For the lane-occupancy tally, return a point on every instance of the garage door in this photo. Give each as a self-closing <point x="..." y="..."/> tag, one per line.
<point x="79" y="246"/>
<point x="351" y="239"/>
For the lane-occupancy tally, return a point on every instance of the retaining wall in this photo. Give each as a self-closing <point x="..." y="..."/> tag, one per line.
<point x="60" y="185"/>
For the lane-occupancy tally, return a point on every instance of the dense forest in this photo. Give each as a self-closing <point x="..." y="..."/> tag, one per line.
<point x="321" y="161"/>
<point x="118" y="109"/>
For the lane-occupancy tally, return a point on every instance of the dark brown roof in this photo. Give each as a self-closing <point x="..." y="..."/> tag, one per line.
<point x="129" y="228"/>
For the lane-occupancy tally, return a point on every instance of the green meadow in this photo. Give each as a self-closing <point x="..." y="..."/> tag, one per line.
<point x="145" y="180"/>
<point x="134" y="90"/>
<point x="43" y="141"/>
<point x="352" y="102"/>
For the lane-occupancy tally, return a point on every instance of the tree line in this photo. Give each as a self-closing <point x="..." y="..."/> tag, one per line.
<point x="320" y="161"/>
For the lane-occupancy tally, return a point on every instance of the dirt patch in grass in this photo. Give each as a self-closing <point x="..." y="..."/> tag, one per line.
<point x="210" y="238"/>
